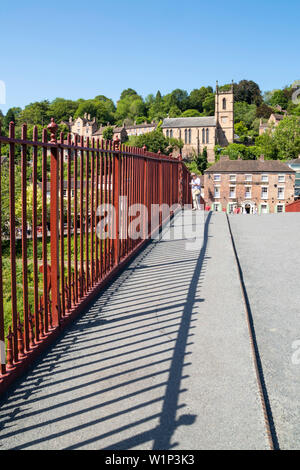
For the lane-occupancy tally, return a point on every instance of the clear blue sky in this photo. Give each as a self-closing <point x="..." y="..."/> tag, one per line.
<point x="75" y="49"/>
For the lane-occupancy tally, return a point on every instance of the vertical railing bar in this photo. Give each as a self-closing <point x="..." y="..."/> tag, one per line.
<point x="101" y="202"/>
<point x="34" y="224"/>
<point x="92" y="211"/>
<point x="69" y="221"/>
<point x="62" y="228"/>
<point x="116" y="196"/>
<point x="75" y="223"/>
<point x="44" y="236"/>
<point x="87" y="168"/>
<point x="81" y="218"/>
<point x="2" y="327"/>
<point x="54" y="218"/>
<point x="24" y="236"/>
<point x="12" y="226"/>
<point x="95" y="216"/>
<point x="109" y="202"/>
<point x="105" y="204"/>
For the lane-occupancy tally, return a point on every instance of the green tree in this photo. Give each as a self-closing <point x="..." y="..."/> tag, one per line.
<point x="201" y="161"/>
<point x="264" y="111"/>
<point x="155" y="141"/>
<point x="287" y="137"/>
<point x="279" y="98"/>
<point x="241" y="130"/>
<point x="265" y="145"/>
<point x="29" y="201"/>
<point x="129" y="92"/>
<point x="178" y="98"/>
<point x="130" y="106"/>
<point x="197" y="96"/>
<point x="35" y="113"/>
<point x="156" y="110"/>
<point x="234" y="151"/>
<point x="108" y="133"/>
<point x="61" y="109"/>
<point x="191" y="113"/>
<point x="244" y="112"/>
<point x="174" y="112"/>
<point x="9" y="117"/>
<point x="248" y="91"/>
<point x="209" y="104"/>
<point x="97" y="109"/>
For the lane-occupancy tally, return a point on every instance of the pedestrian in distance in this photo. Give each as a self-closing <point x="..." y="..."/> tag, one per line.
<point x="196" y="191"/>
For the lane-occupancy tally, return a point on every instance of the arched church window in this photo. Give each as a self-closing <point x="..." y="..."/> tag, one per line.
<point x="203" y="136"/>
<point x="190" y="136"/>
<point x="167" y="133"/>
<point x="224" y="103"/>
<point x="185" y="136"/>
<point x="207" y="136"/>
<point x="171" y="133"/>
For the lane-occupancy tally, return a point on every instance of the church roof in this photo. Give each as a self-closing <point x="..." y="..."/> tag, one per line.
<point x="207" y="121"/>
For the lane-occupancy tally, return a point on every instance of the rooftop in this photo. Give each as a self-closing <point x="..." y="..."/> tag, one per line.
<point x="251" y="166"/>
<point x="206" y="121"/>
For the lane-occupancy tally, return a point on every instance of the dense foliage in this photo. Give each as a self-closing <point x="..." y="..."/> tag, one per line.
<point x="250" y="106"/>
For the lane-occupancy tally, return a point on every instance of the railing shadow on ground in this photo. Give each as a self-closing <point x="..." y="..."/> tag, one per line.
<point x="145" y="345"/>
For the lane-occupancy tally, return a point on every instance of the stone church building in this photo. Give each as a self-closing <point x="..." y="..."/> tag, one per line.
<point x="200" y="132"/>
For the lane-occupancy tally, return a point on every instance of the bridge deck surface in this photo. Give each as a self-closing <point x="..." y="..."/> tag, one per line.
<point x="161" y="360"/>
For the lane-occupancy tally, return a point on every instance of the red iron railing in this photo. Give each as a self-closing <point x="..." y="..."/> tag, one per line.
<point x="58" y="248"/>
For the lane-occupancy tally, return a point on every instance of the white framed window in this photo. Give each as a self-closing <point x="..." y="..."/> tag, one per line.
<point x="265" y="178"/>
<point x="232" y="178"/>
<point x="216" y="206"/>
<point x="232" y="192"/>
<point x="217" y="192"/>
<point x="264" y="192"/>
<point x="264" y="208"/>
<point x="281" y="178"/>
<point x="217" y="177"/>
<point x="248" y="191"/>
<point x="248" y="177"/>
<point x="280" y="192"/>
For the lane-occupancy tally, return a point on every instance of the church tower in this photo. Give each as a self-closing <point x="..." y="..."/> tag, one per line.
<point x="224" y="116"/>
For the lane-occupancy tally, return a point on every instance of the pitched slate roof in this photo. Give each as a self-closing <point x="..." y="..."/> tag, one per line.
<point x="208" y="121"/>
<point x="249" y="166"/>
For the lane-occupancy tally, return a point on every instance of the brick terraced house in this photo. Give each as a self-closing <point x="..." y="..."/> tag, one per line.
<point x="249" y="186"/>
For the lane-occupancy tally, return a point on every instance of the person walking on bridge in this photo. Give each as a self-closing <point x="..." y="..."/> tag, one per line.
<point x="196" y="191"/>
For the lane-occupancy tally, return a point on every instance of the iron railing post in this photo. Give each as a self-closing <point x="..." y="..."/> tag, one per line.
<point x="116" y="194"/>
<point x="54" y="218"/>
<point x="180" y="182"/>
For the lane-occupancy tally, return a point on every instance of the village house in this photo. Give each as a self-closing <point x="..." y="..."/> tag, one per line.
<point x="83" y="127"/>
<point x="249" y="186"/>
<point x="269" y="126"/>
<point x="200" y="132"/>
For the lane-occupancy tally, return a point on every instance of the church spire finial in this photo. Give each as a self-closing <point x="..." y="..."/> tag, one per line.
<point x="217" y="86"/>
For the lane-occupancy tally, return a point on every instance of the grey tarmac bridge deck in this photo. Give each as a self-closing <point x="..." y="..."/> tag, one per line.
<point x="268" y="247"/>
<point x="161" y="360"/>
